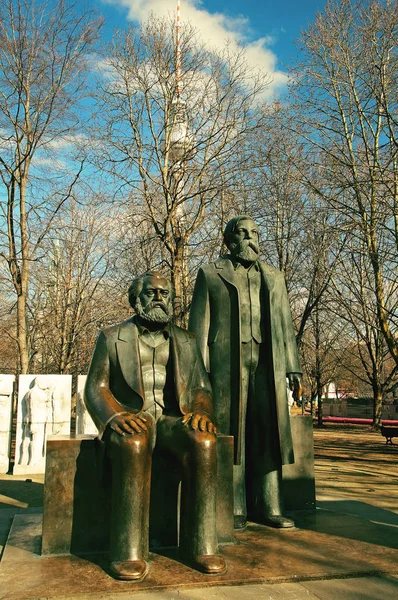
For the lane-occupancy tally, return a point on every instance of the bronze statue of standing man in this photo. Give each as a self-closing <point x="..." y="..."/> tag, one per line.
<point x="241" y="316"/>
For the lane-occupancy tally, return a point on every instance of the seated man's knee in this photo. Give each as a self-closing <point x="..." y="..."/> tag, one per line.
<point x="137" y="443"/>
<point x="202" y="441"/>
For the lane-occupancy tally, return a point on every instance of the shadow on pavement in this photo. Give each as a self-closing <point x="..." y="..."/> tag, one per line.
<point x="332" y="521"/>
<point x="363" y="510"/>
<point x="20" y="493"/>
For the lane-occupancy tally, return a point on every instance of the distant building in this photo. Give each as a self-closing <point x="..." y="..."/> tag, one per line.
<point x="330" y="392"/>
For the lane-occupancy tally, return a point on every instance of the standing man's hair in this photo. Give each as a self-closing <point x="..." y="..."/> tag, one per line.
<point x="231" y="226"/>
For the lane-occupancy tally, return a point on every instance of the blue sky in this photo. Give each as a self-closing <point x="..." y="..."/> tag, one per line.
<point x="268" y="27"/>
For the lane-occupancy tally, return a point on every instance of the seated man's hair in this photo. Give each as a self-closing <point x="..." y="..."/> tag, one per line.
<point x="137" y="283"/>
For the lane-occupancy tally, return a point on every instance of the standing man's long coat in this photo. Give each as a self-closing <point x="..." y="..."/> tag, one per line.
<point x="215" y="319"/>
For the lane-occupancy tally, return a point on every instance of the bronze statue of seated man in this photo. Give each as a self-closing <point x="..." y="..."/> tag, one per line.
<point x="147" y="385"/>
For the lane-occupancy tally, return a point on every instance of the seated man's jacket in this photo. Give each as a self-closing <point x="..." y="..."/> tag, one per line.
<point x="114" y="381"/>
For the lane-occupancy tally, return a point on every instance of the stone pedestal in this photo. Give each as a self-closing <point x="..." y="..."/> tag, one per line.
<point x="76" y="497"/>
<point x="6" y="397"/>
<point x="299" y="478"/>
<point x="75" y="507"/>
<point x="76" y="491"/>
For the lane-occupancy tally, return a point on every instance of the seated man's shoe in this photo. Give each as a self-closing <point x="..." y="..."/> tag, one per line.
<point x="128" y="570"/>
<point x="278" y="521"/>
<point x="240" y="521"/>
<point x="212" y="564"/>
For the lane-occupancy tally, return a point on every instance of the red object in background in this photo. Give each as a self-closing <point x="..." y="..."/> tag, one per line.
<point x="354" y="421"/>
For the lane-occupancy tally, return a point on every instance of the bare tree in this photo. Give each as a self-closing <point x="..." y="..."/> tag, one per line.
<point x="322" y="348"/>
<point x="300" y="230"/>
<point x="346" y="90"/>
<point x="43" y="59"/>
<point x="355" y="302"/>
<point x="72" y="290"/>
<point x="175" y="152"/>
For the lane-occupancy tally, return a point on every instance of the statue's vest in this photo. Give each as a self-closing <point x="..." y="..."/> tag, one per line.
<point x="248" y="283"/>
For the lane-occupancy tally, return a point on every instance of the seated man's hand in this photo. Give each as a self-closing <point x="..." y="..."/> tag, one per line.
<point x="201" y="421"/>
<point x="128" y="424"/>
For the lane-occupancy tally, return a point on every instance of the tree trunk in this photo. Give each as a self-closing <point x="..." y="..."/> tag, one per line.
<point x="319" y="394"/>
<point x="179" y="279"/>
<point x="22" y="316"/>
<point x="22" y="334"/>
<point x="312" y="402"/>
<point x="382" y="313"/>
<point x="318" y="365"/>
<point x="177" y="282"/>
<point x="377" y="406"/>
<point x="395" y="395"/>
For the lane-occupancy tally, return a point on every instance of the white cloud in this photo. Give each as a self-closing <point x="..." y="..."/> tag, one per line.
<point x="215" y="29"/>
<point x="52" y="163"/>
<point x="67" y="142"/>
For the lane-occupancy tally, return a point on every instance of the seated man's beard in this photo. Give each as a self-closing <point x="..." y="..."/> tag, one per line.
<point x="155" y="312"/>
<point x="246" y="251"/>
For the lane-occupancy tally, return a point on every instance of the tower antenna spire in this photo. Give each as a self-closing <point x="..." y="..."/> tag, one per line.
<point x="178" y="52"/>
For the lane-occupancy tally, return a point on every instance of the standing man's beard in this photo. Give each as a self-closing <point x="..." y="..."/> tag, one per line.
<point x="245" y="251"/>
<point x="155" y="312"/>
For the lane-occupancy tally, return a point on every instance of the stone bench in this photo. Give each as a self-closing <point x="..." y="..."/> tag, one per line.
<point x="76" y="507"/>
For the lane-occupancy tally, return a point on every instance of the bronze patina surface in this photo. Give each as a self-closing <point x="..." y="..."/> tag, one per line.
<point x="147" y="387"/>
<point x="241" y="316"/>
<point x="76" y="506"/>
<point x="76" y="501"/>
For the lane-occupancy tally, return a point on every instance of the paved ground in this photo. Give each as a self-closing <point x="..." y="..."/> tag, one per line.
<point x="355" y="533"/>
<point x="354" y="465"/>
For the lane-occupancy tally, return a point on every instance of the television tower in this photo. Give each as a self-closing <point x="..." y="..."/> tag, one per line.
<point x="180" y="139"/>
<point x="178" y="52"/>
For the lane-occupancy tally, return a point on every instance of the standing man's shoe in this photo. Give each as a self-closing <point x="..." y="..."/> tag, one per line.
<point x="240" y="521"/>
<point x="278" y="521"/>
